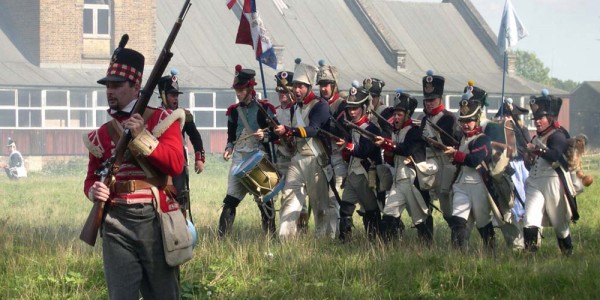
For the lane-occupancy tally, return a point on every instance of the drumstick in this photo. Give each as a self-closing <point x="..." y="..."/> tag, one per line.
<point x="243" y="137"/>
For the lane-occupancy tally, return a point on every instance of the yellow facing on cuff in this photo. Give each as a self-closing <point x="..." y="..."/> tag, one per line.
<point x="144" y="144"/>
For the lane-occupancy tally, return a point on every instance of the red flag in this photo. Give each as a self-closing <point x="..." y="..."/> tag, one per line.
<point x="253" y="32"/>
<point x="230" y="3"/>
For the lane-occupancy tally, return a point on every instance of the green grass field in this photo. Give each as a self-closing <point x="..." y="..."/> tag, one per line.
<point x="42" y="257"/>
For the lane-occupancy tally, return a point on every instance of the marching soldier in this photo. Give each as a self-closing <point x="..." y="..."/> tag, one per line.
<point x="360" y="185"/>
<point x="471" y="185"/>
<point x="381" y="114"/>
<point x="408" y="149"/>
<point x="440" y="125"/>
<point x="310" y="169"/>
<point x="132" y="243"/>
<point x="168" y="89"/>
<point x="245" y="135"/>
<point x="547" y="190"/>
<point x="329" y="91"/>
<point x="284" y="148"/>
<point x="510" y="132"/>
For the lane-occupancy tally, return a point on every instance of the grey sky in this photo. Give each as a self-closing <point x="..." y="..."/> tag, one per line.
<point x="564" y="34"/>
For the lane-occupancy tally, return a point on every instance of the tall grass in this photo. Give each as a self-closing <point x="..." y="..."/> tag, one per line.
<point x="42" y="257"/>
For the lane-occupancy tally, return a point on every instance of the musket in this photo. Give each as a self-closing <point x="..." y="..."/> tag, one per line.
<point x="112" y="165"/>
<point x="387" y="127"/>
<point x="367" y="134"/>
<point x="287" y="90"/>
<point x="443" y="132"/>
<point x="434" y="143"/>
<point x="329" y="134"/>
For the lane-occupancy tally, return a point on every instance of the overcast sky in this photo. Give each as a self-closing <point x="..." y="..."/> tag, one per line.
<point x="564" y="34"/>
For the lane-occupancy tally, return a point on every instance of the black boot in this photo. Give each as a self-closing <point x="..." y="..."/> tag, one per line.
<point x="566" y="245"/>
<point x="425" y="231"/>
<point x="459" y="232"/>
<point x="267" y="218"/>
<point x="530" y="235"/>
<point x="227" y="215"/>
<point x="488" y="236"/>
<point x="345" y="228"/>
<point x="390" y="228"/>
<point x="372" y="223"/>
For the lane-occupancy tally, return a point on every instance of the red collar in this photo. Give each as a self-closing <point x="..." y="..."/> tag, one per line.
<point x="407" y="123"/>
<point x="475" y="131"/>
<point x="437" y="110"/>
<point x="335" y="96"/>
<point x="545" y="131"/>
<point x="310" y="97"/>
<point x="364" y="119"/>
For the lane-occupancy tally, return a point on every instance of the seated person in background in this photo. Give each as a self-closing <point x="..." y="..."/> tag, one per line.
<point x="15" y="168"/>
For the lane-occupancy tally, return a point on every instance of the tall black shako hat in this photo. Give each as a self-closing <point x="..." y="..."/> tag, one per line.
<point x="473" y="100"/>
<point x="243" y="78"/>
<point x="405" y="102"/>
<point x="374" y="86"/>
<point x="169" y="84"/>
<point x="510" y="109"/>
<point x="545" y="105"/>
<point x="358" y="96"/>
<point x="284" y="81"/>
<point x="433" y="86"/>
<point x="125" y="64"/>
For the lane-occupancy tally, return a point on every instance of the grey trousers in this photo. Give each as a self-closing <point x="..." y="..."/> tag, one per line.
<point x="133" y="255"/>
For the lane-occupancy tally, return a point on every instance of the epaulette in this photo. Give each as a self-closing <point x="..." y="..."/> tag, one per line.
<point x="231" y="108"/>
<point x="167" y="118"/>
<point x="269" y="105"/>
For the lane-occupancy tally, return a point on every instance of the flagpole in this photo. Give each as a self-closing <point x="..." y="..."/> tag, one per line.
<point x="262" y="77"/>
<point x="503" y="81"/>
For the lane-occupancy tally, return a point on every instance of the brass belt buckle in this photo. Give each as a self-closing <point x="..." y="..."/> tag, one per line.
<point x="131" y="186"/>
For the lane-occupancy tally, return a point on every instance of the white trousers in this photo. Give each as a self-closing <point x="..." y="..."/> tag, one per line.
<point x="472" y="198"/>
<point x="546" y="198"/>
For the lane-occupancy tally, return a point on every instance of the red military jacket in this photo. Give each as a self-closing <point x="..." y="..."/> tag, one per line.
<point x="167" y="158"/>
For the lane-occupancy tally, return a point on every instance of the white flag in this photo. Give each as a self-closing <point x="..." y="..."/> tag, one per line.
<point x="511" y="28"/>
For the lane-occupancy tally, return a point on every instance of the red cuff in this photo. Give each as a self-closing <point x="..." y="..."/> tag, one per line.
<point x="459" y="157"/>
<point x="200" y="156"/>
<point x="388" y="145"/>
<point x="349" y="147"/>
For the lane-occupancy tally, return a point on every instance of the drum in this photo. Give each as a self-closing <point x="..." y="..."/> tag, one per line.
<point x="259" y="176"/>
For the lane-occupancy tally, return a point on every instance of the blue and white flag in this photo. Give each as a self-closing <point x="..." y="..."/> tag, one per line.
<point x="511" y="28"/>
<point x="252" y="32"/>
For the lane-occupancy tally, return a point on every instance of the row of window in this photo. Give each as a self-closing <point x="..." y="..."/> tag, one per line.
<point x="56" y="109"/>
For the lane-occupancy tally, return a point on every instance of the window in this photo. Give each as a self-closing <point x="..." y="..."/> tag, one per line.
<point x="7" y="98"/>
<point x="96" y="18"/>
<point x="56" y="98"/>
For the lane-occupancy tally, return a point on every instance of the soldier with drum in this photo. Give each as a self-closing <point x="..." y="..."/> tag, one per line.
<point x="246" y="126"/>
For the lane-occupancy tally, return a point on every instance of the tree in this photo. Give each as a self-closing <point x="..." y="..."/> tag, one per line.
<point x="529" y="66"/>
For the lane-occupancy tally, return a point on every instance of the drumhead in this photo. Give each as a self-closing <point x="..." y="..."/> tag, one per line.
<point x="248" y="164"/>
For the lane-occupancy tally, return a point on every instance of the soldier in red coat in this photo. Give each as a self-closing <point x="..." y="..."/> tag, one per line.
<point x="132" y="245"/>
